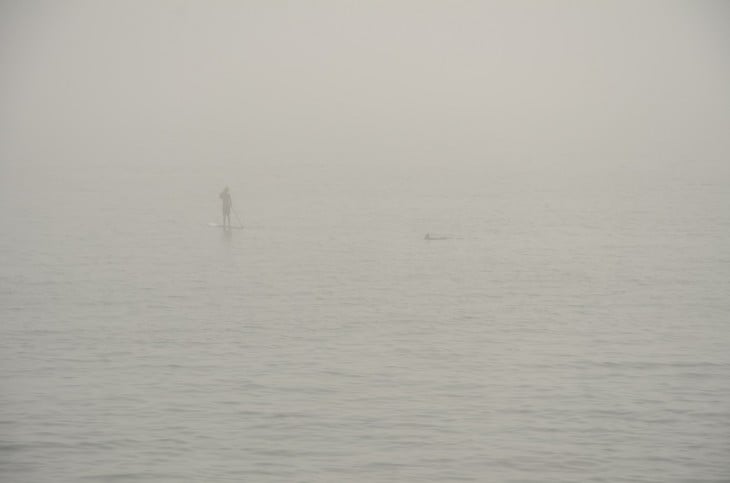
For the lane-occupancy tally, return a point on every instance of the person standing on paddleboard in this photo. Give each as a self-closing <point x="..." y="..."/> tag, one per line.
<point x="225" y="197"/>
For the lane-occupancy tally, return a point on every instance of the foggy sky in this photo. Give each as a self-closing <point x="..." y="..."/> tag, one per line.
<point x="347" y="81"/>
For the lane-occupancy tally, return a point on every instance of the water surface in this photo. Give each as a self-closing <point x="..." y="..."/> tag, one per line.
<point x="572" y="328"/>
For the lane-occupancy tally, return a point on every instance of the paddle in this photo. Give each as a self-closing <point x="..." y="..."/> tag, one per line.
<point x="237" y="218"/>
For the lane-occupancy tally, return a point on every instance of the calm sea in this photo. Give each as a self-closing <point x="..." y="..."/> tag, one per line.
<point x="572" y="326"/>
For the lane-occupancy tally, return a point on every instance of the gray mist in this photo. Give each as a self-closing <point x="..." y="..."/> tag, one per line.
<point x="467" y="241"/>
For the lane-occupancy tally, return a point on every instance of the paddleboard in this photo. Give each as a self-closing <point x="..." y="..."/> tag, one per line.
<point x="225" y="227"/>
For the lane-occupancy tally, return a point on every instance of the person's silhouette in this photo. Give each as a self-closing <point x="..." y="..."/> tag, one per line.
<point x="225" y="197"/>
